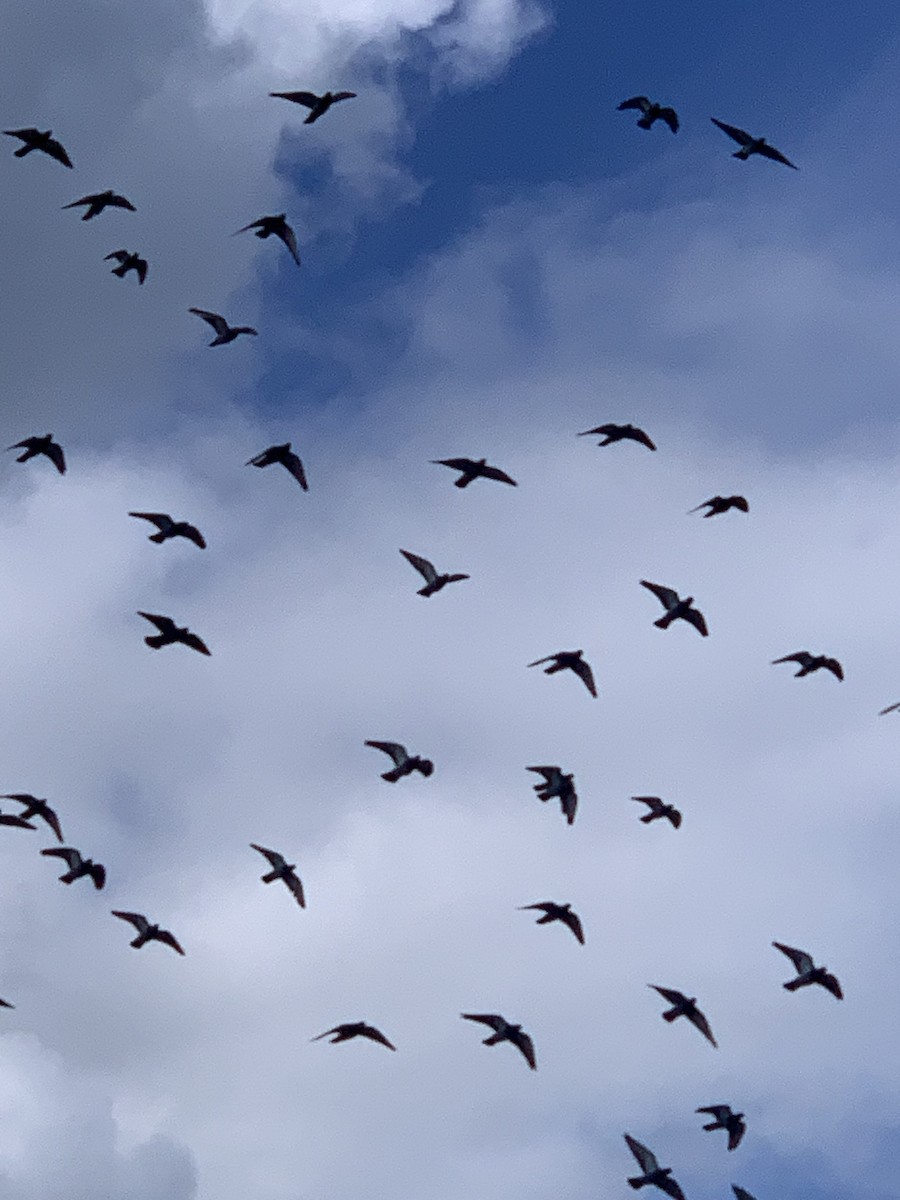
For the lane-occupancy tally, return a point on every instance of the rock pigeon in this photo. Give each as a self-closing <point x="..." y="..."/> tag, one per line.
<point x="808" y="973"/>
<point x="169" y="529"/>
<point x="725" y="1118"/>
<point x="35" y="807"/>
<point x="78" y="867"/>
<point x="404" y="764"/>
<point x="505" y="1032"/>
<point x="619" y="433"/>
<point x="128" y="261"/>
<point x="147" y="932"/>
<point x="473" y="469"/>
<point x="560" y="785"/>
<point x="41" y="445"/>
<point x="318" y="105"/>
<point x="684" y="1006"/>
<point x="36" y="139"/>
<point x="571" y="660"/>
<point x="433" y="581"/>
<point x="170" y="633"/>
<point x="557" y="912"/>
<point x="285" y="456"/>
<point x="721" y="504"/>
<point x="343" y="1033"/>
<point x="657" y="810"/>
<point x="676" y="608"/>
<point x="811" y="662"/>
<point x="97" y="201"/>
<point x="277" y="226"/>
<point x="283" y="870"/>
<point x="653" y="1173"/>
<point x="225" y="333"/>
<point x="751" y="145"/>
<point x="651" y="112"/>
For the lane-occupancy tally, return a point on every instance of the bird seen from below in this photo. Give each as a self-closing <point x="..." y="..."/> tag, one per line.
<point x="283" y="870"/>
<point x="128" y="261"/>
<point x="353" y="1029"/>
<point x="433" y="581"/>
<point x="751" y="145"/>
<point x="811" y="662"/>
<point x="318" y="105"/>
<point x="167" y="528"/>
<point x="658" y="810"/>
<point x="808" y="973"/>
<point x="471" y="469"/>
<point x="571" y="660"/>
<point x="15" y="821"/>
<point x="404" y="764"/>
<point x="651" y="112"/>
<point x="34" y="806"/>
<point x="505" y="1032"/>
<point x="619" y="433"/>
<point x="78" y="867"/>
<point x="562" y="786"/>
<point x="37" y="139"/>
<point x="725" y="1118"/>
<point x="557" y="912"/>
<point x="147" y="932"/>
<point x="721" y="504"/>
<point x="225" y="333"/>
<point x="276" y="226"/>
<point x="652" y="1173"/>
<point x="33" y="446"/>
<point x="285" y="457"/>
<point x="170" y="633"/>
<point x="684" y="1006"/>
<point x="676" y="608"/>
<point x="97" y="201"/>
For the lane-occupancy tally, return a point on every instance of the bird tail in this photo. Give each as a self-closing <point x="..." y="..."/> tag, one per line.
<point x="670" y="1014"/>
<point x="493" y="1040"/>
<point x="428" y="590"/>
<point x="22" y="151"/>
<point x="743" y="154"/>
<point x="270" y="878"/>
<point x="393" y="775"/>
<point x="793" y="984"/>
<point x="120" y="271"/>
<point x="645" y="820"/>
<point x="636" y="1183"/>
<point x="158" y="538"/>
<point x="645" y="123"/>
<point x="664" y="622"/>
<point x="155" y="640"/>
<point x="425" y="766"/>
<point x="69" y="877"/>
<point x="139" y="941"/>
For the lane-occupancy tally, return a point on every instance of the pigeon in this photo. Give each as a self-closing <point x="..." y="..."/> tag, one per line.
<point x="36" y="139"/>
<point x="78" y="866"/>
<point x="676" y="607"/>
<point x="505" y="1032"/>
<point x="751" y="145"/>
<point x="404" y="764"/>
<point x="284" y="455"/>
<point x="653" y="1173"/>
<point x="343" y="1033"/>
<point x="282" y="869"/>
<point x="97" y="201"/>
<point x="741" y="1193"/>
<point x="811" y="662"/>
<point x="128" y="261"/>
<point x="147" y="932"/>
<point x="277" y="225"/>
<point x="170" y="529"/>
<point x="725" y="1118"/>
<point x="573" y="660"/>
<point x="318" y="105"/>
<point x="559" y="785"/>
<point x="32" y="446"/>
<point x="684" y="1006"/>
<point x="721" y="504"/>
<point x="225" y="333"/>
<point x="35" y="807"/>
<point x="890" y="708"/>
<point x="657" y="810"/>
<point x="473" y="469"/>
<point x="651" y="112"/>
<point x="433" y="581"/>
<point x="557" y="912"/>
<point x="16" y="821"/>
<point x="170" y="633"/>
<point x="619" y="433"/>
<point x="808" y="973"/>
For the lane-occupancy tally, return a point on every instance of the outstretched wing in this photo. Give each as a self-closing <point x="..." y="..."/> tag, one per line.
<point x="496" y="473"/>
<point x="160" y="520"/>
<point x="550" y="774"/>
<point x="668" y="1185"/>
<point x="538" y="661"/>
<point x="526" y="1045"/>
<point x="342" y="96"/>
<point x="72" y="857"/>
<point x="574" y="923"/>
<point x="741" y="1193"/>
<point x="55" y="453"/>
<point x="309" y="99"/>
<point x="646" y="1159"/>
<point x="119" y="255"/>
<point x="195" y="642"/>
<point x="295" y="887"/>
<point x="218" y="322"/>
<point x="375" y="1035"/>
<point x="830" y="983"/>
<point x="832" y="665"/>
<point x="721" y="1112"/>
<point x="583" y="670"/>
<point x="740" y="135"/>
<point x="638" y="435"/>
<point x="275" y="859"/>
<point x="697" y="1018"/>
<point x="668" y="993"/>
<point x="422" y="565"/>
<point x="193" y="534"/>
<point x="169" y="939"/>
<point x="289" y="238"/>
<point x="163" y="624"/>
<point x="654" y="803"/>
<point x="770" y="152"/>
<point x="696" y="618"/>
<point x="803" y="657"/>
<point x="667" y="596"/>
<point x="670" y="116"/>
<point x="890" y="708"/>
<point x="394" y="749"/>
<point x="802" y="961"/>
<point x="295" y="467"/>
<point x="138" y="920"/>
<point x="495" y="1021"/>
<point x="640" y="102"/>
<point x="600" y="430"/>
<point x="56" y="150"/>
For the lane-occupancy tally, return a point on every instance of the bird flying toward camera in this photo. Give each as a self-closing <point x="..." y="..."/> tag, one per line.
<point x="97" y="201"/>
<point x="751" y="145"/>
<point x="167" y="528"/>
<point x="128" y="262"/>
<point x="811" y="662"/>
<point x="676" y="608"/>
<point x="650" y="112"/>
<point x="285" y="457"/>
<point x="32" y="446"/>
<point x="36" y="139"/>
<point x="685" y="1006"/>
<point x="318" y="105"/>
<point x="724" y="1117"/>
<point x="571" y="660"/>
<point x="433" y="581"/>
<point x="658" y="810"/>
<point x="276" y="226"/>
<point x="170" y="633"/>
<point x="505" y="1032"/>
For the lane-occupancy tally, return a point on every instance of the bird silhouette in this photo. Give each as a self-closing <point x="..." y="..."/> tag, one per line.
<point x="33" y="446"/>
<point x="128" y="261"/>
<point x="557" y="912"/>
<point x="676" y="608"/>
<point x="35" y="807"/>
<point x="78" y="867"/>
<point x="560" y="785"/>
<point x="652" y="1173"/>
<point x="751" y="145"/>
<point x="147" y="932"/>
<point x="808" y="973"/>
<point x="170" y="633"/>
<point x="433" y="581"/>
<point x="97" y="201"/>
<point x="657" y="810"/>
<point x="721" y="504"/>
<point x="811" y="662"/>
<point x="169" y="529"/>
<point x="651" y="112"/>
<point x="275" y="226"/>
<point x="36" y="139"/>
<point x="404" y="764"/>
<point x="284" y="455"/>
<point x="318" y="105"/>
<point x="619" y="433"/>
<point x="343" y="1033"/>
<point x="225" y="333"/>
<point x="16" y="821"/>
<point x="741" y="1193"/>
<point x="725" y="1118"/>
<point x="473" y="469"/>
<point x="283" y="870"/>
<point x="505" y="1032"/>
<point x="571" y="660"/>
<point x="684" y="1006"/>
<point x="6" y="1004"/>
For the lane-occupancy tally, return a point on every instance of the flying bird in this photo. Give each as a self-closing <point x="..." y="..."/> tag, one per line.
<point x="676" y="608"/>
<point x="751" y="145"/>
<point x="36" y="139"/>
<point x="128" y="262"/>
<point x="573" y="660"/>
<point x="725" y="1118"/>
<point x="684" y="1006"/>
<point x="619" y="433"/>
<point x="741" y="1193"/>
<point x="16" y="821"/>
<point x="343" y="1033"/>
<point x="473" y="469"/>
<point x="653" y="1173"/>
<point x="277" y="226"/>
<point x="32" y="446"/>
<point x="169" y="529"/>
<point x="721" y="504"/>
<point x="318" y="105"/>
<point x="35" y="807"/>
<point x="282" y="869"/>
<point x="77" y="866"/>
<point x="404" y="764"/>
<point x="97" y="201"/>
<point x="284" y="455"/>
<point x="651" y="112"/>
<point x="147" y="932"/>
<point x="557" y="912"/>
<point x="170" y="633"/>
<point x="225" y="333"/>
<point x="657" y="809"/>
<point x="505" y="1032"/>
<point x="559" y="785"/>
<point x="433" y="581"/>
<point x="808" y="973"/>
<point x="811" y="662"/>
<point x="6" y="1004"/>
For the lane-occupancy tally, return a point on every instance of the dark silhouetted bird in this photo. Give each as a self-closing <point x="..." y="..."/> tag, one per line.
<point x="505" y="1032"/>
<point x="751" y="145"/>
<point x="147" y="932"/>
<point x="811" y="662"/>
<point x="170" y="633"/>
<point x="721" y="504"/>
<point x="404" y="764"/>
<point x="78" y="866"/>
<point x="725" y="1118"/>
<point x="473" y="469"/>
<point x="560" y="785"/>
<point x="97" y="201"/>
<point x="225" y="333"/>
<point x="285" y="456"/>
<point x="653" y="1174"/>
<point x="808" y="973"/>
<point x="35" y="807"/>
<point x="16" y="821"/>
<point x="343" y="1033"/>
<point x="676" y="608"/>
<point x="41" y="445"/>
<point x="6" y="1004"/>
<point x="557" y="912"/>
<point x="433" y="581"/>
<point x="619" y="433"/>
<point x="684" y="1006"/>
<point x="277" y="226"/>
<point x="318" y="105"/>
<point x="573" y="661"/>
<point x="128" y="261"/>
<point x="741" y="1193"/>
<point x="658" y="810"/>
<point x="651" y="112"/>
<point x="283" y="870"/>
<point x="36" y="139"/>
<point x="170" y="529"/>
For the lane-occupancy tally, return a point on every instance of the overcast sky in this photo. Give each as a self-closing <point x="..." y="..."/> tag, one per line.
<point x="493" y="259"/>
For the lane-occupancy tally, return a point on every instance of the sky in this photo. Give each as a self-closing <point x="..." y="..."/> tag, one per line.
<point x="493" y="260"/>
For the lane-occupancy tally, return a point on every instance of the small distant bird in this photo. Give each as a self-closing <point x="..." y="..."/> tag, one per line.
<point x="559" y="785"/>
<point x="651" y="112"/>
<point x="277" y="226"/>
<point x="77" y="866"/>
<point x="170" y="529"/>
<point x="6" y="1004"/>
<point x="741" y="1193"/>
<point x="284" y="455"/>
<point x="619" y="433"/>
<point x="319" y="105"/>
<point x="170" y="633"/>
<point x="97" y="201"/>
<point x="573" y="661"/>
<point x="283" y="870"/>
<point x="473" y="469"/>
<point x="557" y="912"/>
<point x="17" y="821"/>
<point x="505" y="1032"/>
<point x="808" y="973"/>
<point x="751" y="145"/>
<point x="147" y="932"/>
<point x="343" y="1033"/>
<point x="225" y="333"/>
<point x="404" y="764"/>
<point x="36" y="139"/>
<point x="676" y="608"/>
<point x="890" y="708"/>
<point x="725" y="1118"/>
<point x="128" y="262"/>
<point x="35" y="807"/>
<point x="811" y="662"/>
<point x="721" y="504"/>
<point x="433" y="581"/>
<point x="657" y="810"/>
<point x="684" y="1006"/>
<point x="653" y="1173"/>
<point x="41" y="445"/>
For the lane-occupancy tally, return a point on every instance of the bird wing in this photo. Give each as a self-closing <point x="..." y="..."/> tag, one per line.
<point x="97" y="872"/>
<point x="275" y="859"/>
<point x="496" y="473"/>
<point x="193" y="534"/>
<point x="654" y="803"/>
<point x="289" y="238"/>
<point x="309" y="99"/>
<point x="295" y="887"/>
<point x="422" y="565"/>
<point x="668" y="597"/>
<point x="160" y="520"/>
<point x="120" y="202"/>
<point x="258" y="224"/>
<point x="802" y="961"/>
<point x="18" y="822"/>
<point x="195" y="642"/>
<point x="544" y="906"/>
<point x="51" y="818"/>
<point x="583" y="670"/>
<point x="721" y="1112"/>
<point x="56" y="150"/>
<point x="770" y="152"/>
<point x="832" y="665"/>
<point x="670" y="1186"/>
<point x="163" y="624"/>
<point x="295" y="466"/>
<point x="537" y="662"/>
<point x="600" y="430"/>
<point x="638" y="435"/>
<point x="342" y="96"/>
<point x="741" y="1193"/>
<point x="394" y="749"/>
<point x="118" y="255"/>
<point x="697" y="1018"/>
<point x="526" y="1045"/>
<point x="640" y="102"/>
<point x="328" y="1032"/>
<point x="219" y="324"/>
<point x="670" y="116"/>
<point x="551" y="774"/>
<point x="375" y="1035"/>
<point x="495" y="1021"/>
<point x="830" y="983"/>
<point x="706" y="504"/>
<point x="669" y="993"/>
<point x="803" y="657"/>
<point x="141" y="266"/>
<point x="55" y="453"/>
<point x="169" y="939"/>
<point x="890" y="708"/>
<point x="456" y="464"/>
<point x="674" y="816"/>
<point x="696" y="618"/>
<point x="138" y="920"/>
<point x="646" y="1159"/>
<point x="83" y="200"/>
<point x="740" y="135"/>
<point x="72" y="858"/>
<point x="736" y="1133"/>
<point x="574" y="923"/>
<point x="741" y="503"/>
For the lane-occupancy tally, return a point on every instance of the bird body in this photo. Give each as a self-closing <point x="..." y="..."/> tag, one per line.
<point x="147" y="932"/>
<point x="433" y="581"/>
<point x="650" y="112"/>
<point x="572" y="660"/>
<point x="557" y="912"/>
<point x="404" y="764"/>
<point x="504" y="1031"/>
<point x="97" y="201"/>
<point x="676" y="608"/>
<point x="472" y="468"/>
<point x="343" y="1033"/>
<point x="32" y="446"/>
<point x="657" y="810"/>
<point x="318" y="105"/>
<point x="721" y="504"/>
<point x="37" y="139"/>
<point x="560" y="785"/>
<point x="751" y="145"/>
<point x="225" y="333"/>
<point x="282" y="869"/>
<point x="276" y="226"/>
<point x="685" y="1006"/>
<point x="170" y="633"/>
<point x="285" y="456"/>
<point x="808" y="973"/>
<point x="619" y="433"/>
<point x="167" y="528"/>
<point x="811" y="662"/>
<point x="724" y="1117"/>
<point x="78" y="867"/>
